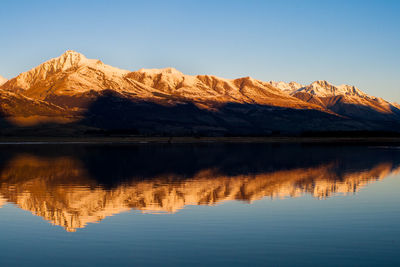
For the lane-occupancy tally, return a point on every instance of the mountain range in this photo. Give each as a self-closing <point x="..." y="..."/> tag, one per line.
<point x="75" y="95"/>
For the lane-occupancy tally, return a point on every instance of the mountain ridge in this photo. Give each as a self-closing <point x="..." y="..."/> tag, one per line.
<point x="2" y="80"/>
<point x="75" y="86"/>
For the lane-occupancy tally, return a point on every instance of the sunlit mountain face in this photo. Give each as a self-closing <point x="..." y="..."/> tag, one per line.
<point x="74" y="94"/>
<point x="72" y="186"/>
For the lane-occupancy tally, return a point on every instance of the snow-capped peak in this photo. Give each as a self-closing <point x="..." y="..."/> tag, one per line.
<point x="2" y="80"/>
<point x="70" y="59"/>
<point x="323" y="88"/>
<point x="286" y="87"/>
<point x="72" y="55"/>
<point x="72" y="64"/>
<point x="351" y="90"/>
<point x="168" y="70"/>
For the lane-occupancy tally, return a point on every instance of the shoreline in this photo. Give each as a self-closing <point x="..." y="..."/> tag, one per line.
<point x="195" y="140"/>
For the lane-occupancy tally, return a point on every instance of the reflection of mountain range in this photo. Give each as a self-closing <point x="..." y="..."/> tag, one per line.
<point x="81" y="94"/>
<point x="67" y="191"/>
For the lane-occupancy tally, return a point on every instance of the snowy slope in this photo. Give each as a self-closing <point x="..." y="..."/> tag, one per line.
<point x="2" y="80"/>
<point x="322" y="88"/>
<point x="73" y="74"/>
<point x="286" y="87"/>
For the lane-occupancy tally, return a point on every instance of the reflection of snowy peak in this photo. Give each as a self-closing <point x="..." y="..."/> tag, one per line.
<point x="2" y="201"/>
<point x="77" y="200"/>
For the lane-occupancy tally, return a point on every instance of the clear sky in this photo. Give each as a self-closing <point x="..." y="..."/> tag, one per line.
<point x="354" y="42"/>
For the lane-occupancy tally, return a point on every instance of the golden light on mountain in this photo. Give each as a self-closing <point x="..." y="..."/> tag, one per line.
<point x="76" y="92"/>
<point x="73" y="74"/>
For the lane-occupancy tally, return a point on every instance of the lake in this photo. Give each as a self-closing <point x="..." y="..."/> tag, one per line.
<point x="199" y="205"/>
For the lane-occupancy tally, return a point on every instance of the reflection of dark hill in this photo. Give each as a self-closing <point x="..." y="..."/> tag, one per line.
<point x="186" y="160"/>
<point x="113" y="164"/>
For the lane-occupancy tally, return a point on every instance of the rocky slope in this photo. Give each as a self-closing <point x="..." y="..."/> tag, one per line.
<point x="14" y="104"/>
<point x="17" y="110"/>
<point x="348" y="101"/>
<point x="166" y="101"/>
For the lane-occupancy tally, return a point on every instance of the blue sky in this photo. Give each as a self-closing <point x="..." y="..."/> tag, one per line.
<point x="354" y="42"/>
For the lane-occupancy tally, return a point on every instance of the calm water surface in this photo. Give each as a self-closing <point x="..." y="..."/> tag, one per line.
<point x="199" y="205"/>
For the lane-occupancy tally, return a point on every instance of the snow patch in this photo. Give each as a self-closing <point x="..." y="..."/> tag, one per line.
<point x="2" y="80"/>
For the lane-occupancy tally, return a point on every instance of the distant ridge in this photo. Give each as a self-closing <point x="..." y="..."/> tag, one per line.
<point x="91" y="93"/>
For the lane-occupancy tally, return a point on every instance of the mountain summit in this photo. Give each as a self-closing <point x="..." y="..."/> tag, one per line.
<point x="346" y="100"/>
<point x="165" y="101"/>
<point x="68" y="74"/>
<point x="287" y="87"/>
<point x="325" y="89"/>
<point x="2" y="80"/>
